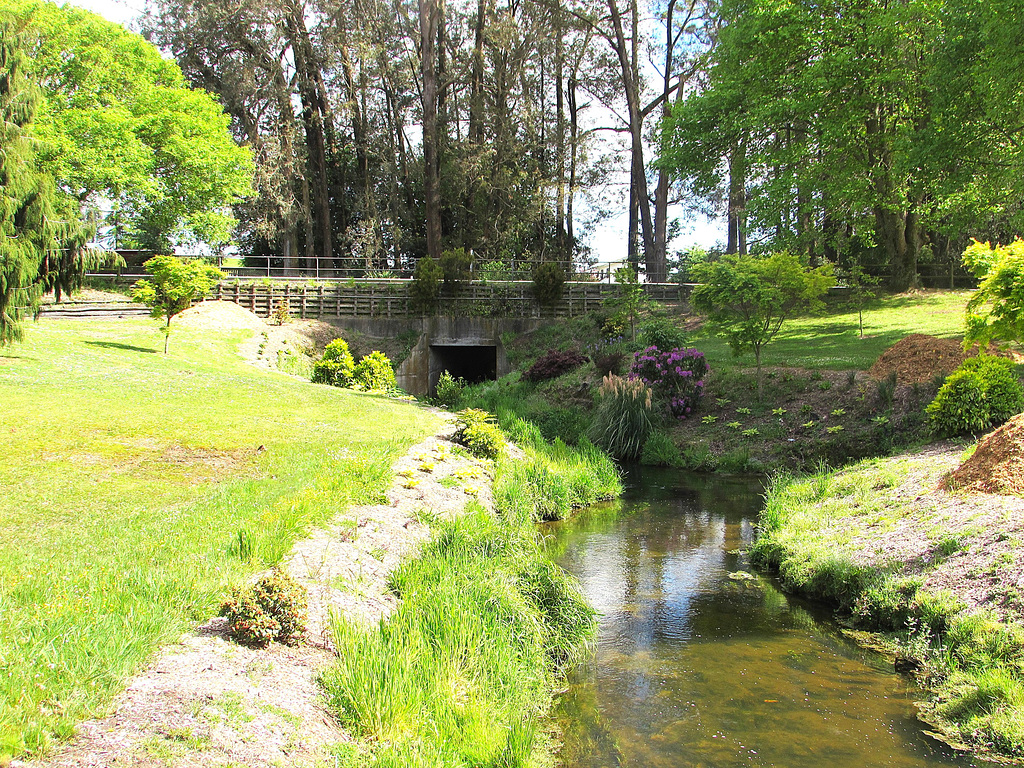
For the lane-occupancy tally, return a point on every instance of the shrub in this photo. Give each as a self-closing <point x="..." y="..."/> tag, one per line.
<point x="662" y="333"/>
<point x="449" y="390"/>
<point x="426" y="285"/>
<point x="676" y="376"/>
<point x="455" y="266"/>
<point x="615" y="327"/>
<point x="981" y="393"/>
<point x="1003" y="389"/>
<point x="476" y="430"/>
<point x="274" y="608"/>
<point x="281" y="315"/>
<point x="374" y="371"/>
<point x="553" y="364"/>
<point x="548" y="283"/>
<point x="336" y="366"/>
<point x="660" y="451"/>
<point x="623" y="419"/>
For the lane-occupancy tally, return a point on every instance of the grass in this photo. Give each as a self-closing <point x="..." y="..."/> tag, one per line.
<point x="554" y="478"/>
<point x="138" y="488"/>
<point x="972" y="664"/>
<point x="464" y="672"/>
<point x="831" y="340"/>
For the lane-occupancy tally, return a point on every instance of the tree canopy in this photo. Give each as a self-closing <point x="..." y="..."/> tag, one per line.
<point x="31" y="226"/>
<point x="118" y="125"/>
<point x="748" y="298"/>
<point x="880" y="132"/>
<point x="174" y="285"/>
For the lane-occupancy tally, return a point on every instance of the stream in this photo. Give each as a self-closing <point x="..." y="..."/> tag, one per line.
<point x="702" y="662"/>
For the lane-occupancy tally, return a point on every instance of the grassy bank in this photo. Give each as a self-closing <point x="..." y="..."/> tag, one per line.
<point x="816" y="403"/>
<point x="464" y="672"/>
<point x="934" y="573"/>
<point x="138" y="487"/>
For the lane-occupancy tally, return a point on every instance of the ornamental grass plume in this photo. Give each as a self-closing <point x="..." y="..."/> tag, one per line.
<point x="623" y="419"/>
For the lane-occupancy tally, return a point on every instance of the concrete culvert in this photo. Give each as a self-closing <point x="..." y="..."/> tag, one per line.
<point x="472" y="363"/>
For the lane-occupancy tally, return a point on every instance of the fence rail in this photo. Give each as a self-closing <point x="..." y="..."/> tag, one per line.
<point x="391" y="298"/>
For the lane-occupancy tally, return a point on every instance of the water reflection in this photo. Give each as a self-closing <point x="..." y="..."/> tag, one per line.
<point x="701" y="662"/>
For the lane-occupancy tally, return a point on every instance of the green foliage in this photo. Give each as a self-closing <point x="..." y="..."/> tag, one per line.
<point x="426" y="285"/>
<point x="374" y="371"/>
<point x="996" y="310"/>
<point x="336" y="367"/>
<point x="274" y="608"/>
<point x="555" y="478"/>
<point x="477" y="430"/>
<point x="118" y="121"/>
<point x="630" y="301"/>
<point x="456" y="264"/>
<point x="23" y="234"/>
<point x="661" y="332"/>
<point x="282" y="314"/>
<point x="660" y="451"/>
<point x="548" y="283"/>
<point x="624" y="417"/>
<point x="174" y="285"/>
<point x="748" y="298"/>
<point x="449" y="390"/>
<point x="983" y="392"/>
<point x="462" y="673"/>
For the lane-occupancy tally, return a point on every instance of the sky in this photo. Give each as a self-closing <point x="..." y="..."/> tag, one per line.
<point x="609" y="238"/>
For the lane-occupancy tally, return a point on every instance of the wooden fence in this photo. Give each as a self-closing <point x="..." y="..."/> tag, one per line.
<point x="390" y="298"/>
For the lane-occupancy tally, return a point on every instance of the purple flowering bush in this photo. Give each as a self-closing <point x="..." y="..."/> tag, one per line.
<point x="676" y="376"/>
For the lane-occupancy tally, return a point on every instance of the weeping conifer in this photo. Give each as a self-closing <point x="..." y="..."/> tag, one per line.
<point x="24" y="194"/>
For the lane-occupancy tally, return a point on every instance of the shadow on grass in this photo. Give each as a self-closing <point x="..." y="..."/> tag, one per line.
<point x="115" y="345"/>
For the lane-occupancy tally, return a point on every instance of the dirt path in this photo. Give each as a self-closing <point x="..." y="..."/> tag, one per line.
<point x="209" y="702"/>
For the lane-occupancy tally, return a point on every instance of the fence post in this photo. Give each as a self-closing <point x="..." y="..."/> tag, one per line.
<point x="320" y="301"/>
<point x="303" y="315"/>
<point x="252" y="298"/>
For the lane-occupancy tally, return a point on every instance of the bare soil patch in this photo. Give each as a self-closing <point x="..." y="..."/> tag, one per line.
<point x="996" y="466"/>
<point x="207" y="701"/>
<point x="919" y="358"/>
<point x="968" y="544"/>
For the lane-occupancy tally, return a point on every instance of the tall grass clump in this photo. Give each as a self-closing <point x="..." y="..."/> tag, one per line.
<point x="624" y="417"/>
<point x="554" y="478"/>
<point x="463" y="672"/>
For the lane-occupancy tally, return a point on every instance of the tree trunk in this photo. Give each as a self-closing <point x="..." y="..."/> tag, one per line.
<point x="638" y="177"/>
<point x="737" y="240"/>
<point x="316" y="144"/>
<point x="432" y="185"/>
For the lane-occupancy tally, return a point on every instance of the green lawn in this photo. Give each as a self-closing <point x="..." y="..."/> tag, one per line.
<point x="137" y="487"/>
<point x="831" y="340"/>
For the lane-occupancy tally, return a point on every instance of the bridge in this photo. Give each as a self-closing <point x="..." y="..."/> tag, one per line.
<point x="464" y="336"/>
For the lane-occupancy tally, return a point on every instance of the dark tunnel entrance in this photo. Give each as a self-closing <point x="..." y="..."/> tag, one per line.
<point x="472" y="363"/>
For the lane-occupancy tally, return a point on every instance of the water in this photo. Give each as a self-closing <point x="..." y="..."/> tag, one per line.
<point x="703" y="663"/>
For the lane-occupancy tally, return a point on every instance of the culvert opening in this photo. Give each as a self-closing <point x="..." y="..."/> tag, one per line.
<point x="472" y="363"/>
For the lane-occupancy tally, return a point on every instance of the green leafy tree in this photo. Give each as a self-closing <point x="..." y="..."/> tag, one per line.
<point x="117" y="122"/>
<point x="630" y="301"/>
<point x="174" y="286"/>
<point x="748" y="298"/>
<point x="996" y="310"/>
